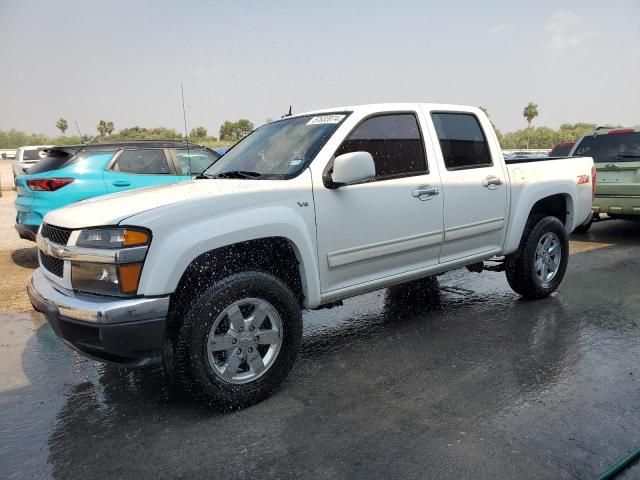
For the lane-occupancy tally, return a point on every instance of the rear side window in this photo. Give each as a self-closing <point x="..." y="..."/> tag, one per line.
<point x="63" y="158"/>
<point x="195" y="161"/>
<point x="33" y="154"/>
<point x="54" y="161"/>
<point x="462" y="141"/>
<point x="394" y="142"/>
<point x="142" y="162"/>
<point x="610" y="148"/>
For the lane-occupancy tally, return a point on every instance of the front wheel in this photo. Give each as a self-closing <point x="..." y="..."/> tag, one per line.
<point x="537" y="268"/>
<point x="238" y="340"/>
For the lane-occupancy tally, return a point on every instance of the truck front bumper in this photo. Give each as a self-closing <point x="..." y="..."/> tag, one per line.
<point x="125" y="331"/>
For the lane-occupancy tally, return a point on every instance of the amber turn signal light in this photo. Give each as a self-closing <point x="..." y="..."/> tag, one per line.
<point x="129" y="276"/>
<point x="135" y="238"/>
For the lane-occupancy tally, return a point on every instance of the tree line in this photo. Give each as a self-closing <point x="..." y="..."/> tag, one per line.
<point x="540" y="137"/>
<point x="232" y="131"/>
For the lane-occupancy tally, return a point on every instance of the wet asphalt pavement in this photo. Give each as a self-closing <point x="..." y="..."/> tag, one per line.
<point x="473" y="383"/>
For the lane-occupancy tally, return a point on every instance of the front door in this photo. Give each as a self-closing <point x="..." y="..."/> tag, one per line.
<point x="387" y="226"/>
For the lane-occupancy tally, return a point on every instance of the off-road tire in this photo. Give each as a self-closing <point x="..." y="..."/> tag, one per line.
<point x="191" y="364"/>
<point x="520" y="265"/>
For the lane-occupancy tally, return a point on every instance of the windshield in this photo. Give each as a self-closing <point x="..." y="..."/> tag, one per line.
<point x="561" y="150"/>
<point x="281" y="149"/>
<point x="610" y="148"/>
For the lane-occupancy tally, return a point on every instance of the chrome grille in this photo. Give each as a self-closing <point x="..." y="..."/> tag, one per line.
<point x="52" y="264"/>
<point x="55" y="234"/>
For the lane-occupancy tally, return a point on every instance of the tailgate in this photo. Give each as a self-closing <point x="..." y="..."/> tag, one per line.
<point x="618" y="179"/>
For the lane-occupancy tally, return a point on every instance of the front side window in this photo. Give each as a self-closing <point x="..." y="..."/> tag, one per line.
<point x="394" y="141"/>
<point x="610" y="148"/>
<point x="462" y="141"/>
<point x="142" y="162"/>
<point x="194" y="161"/>
<point x="278" y="150"/>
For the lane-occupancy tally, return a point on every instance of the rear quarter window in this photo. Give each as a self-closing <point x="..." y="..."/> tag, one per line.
<point x="33" y="154"/>
<point x="61" y="159"/>
<point x="54" y="161"/>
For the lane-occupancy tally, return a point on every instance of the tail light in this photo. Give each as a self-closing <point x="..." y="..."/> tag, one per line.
<point x="48" y="184"/>
<point x="594" y="175"/>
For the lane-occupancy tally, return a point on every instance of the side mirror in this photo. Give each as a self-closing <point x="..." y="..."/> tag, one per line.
<point x="352" y="168"/>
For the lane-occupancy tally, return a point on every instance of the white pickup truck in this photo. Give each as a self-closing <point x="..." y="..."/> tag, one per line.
<point x="209" y="277"/>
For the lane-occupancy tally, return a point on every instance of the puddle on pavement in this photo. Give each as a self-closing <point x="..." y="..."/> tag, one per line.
<point x="15" y="331"/>
<point x="54" y="401"/>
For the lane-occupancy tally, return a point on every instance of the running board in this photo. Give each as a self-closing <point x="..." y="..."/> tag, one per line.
<point x="495" y="264"/>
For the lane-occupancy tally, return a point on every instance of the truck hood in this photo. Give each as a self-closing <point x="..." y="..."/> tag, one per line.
<point x="203" y="194"/>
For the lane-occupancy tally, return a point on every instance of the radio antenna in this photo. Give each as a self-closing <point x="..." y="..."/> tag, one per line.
<point x="186" y="134"/>
<point x="287" y="114"/>
<point x="79" y="132"/>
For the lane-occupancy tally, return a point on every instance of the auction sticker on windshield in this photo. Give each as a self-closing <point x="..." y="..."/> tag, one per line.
<point x="324" y="119"/>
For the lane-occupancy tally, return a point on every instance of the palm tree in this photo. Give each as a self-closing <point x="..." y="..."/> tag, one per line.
<point x="62" y="125"/>
<point x="109" y="127"/>
<point x="530" y="112"/>
<point x="102" y="128"/>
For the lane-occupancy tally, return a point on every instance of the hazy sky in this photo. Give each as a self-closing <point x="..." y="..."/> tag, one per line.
<point x="124" y="61"/>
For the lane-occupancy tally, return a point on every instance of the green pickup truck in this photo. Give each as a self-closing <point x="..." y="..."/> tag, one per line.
<point x="616" y="154"/>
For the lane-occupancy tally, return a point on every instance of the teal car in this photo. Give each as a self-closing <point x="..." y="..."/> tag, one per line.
<point x="73" y="173"/>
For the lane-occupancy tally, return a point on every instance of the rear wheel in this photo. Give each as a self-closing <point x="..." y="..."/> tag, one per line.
<point x="537" y="268"/>
<point x="238" y="340"/>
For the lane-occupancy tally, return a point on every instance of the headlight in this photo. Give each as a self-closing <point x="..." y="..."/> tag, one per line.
<point x="106" y="278"/>
<point x="113" y="238"/>
<point x="116" y="272"/>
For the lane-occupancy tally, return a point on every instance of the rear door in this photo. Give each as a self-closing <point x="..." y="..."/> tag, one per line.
<point x="474" y="187"/>
<point x="140" y="167"/>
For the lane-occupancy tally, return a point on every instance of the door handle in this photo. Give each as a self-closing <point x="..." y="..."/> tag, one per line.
<point x="120" y="183"/>
<point x="491" y="182"/>
<point x="425" y="192"/>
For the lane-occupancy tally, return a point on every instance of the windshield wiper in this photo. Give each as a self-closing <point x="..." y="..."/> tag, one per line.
<point x="237" y="174"/>
<point x="628" y="155"/>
